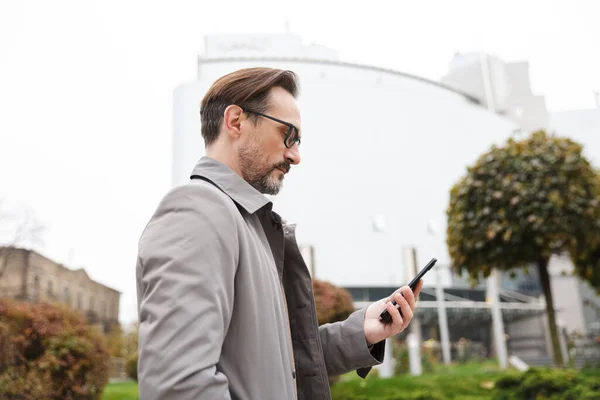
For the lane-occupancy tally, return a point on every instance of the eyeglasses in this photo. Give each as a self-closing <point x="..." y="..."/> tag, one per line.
<point x="291" y="137"/>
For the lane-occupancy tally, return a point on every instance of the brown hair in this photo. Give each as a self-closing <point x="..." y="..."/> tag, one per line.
<point x="249" y="88"/>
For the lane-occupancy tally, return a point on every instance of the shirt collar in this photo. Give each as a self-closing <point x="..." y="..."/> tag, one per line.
<point x="232" y="184"/>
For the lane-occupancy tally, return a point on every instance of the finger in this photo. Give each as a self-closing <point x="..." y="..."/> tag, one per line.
<point x="393" y="295"/>
<point x="407" y="312"/>
<point x="395" y="314"/>
<point x="409" y="296"/>
<point x="417" y="290"/>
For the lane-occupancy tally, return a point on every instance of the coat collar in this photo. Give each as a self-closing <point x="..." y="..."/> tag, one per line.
<point x="232" y="184"/>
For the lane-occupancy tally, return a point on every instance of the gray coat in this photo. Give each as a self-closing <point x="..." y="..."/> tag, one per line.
<point x="225" y="301"/>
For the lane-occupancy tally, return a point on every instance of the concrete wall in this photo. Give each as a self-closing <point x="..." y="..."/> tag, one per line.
<point x="567" y="295"/>
<point x="528" y="337"/>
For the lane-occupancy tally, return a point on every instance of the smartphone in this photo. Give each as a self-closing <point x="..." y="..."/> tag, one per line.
<point x="385" y="316"/>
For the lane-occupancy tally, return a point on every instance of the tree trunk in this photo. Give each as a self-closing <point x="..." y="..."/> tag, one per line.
<point x="545" y="280"/>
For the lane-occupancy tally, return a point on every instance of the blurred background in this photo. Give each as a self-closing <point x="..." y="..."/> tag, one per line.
<point x="99" y="119"/>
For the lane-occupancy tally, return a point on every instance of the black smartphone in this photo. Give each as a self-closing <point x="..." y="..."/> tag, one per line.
<point x="385" y="316"/>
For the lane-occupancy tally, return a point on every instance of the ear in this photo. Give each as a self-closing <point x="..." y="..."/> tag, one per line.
<point x="232" y="120"/>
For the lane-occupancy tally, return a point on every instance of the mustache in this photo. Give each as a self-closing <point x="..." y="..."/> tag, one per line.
<point x="284" y="166"/>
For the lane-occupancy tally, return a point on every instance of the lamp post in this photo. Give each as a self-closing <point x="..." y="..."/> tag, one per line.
<point x="386" y="369"/>
<point x="414" y="336"/>
<point x="434" y="230"/>
<point x="493" y="280"/>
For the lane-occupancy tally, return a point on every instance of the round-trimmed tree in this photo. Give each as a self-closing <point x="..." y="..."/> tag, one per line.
<point x="521" y="203"/>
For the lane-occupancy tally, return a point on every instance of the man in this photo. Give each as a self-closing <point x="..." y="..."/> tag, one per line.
<point x="225" y="300"/>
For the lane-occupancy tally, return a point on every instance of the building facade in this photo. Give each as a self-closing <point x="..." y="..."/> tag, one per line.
<point x="29" y="276"/>
<point x="380" y="151"/>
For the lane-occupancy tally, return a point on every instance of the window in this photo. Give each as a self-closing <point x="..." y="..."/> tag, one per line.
<point x="50" y="289"/>
<point x="80" y="301"/>
<point x="35" y="291"/>
<point x="66" y="295"/>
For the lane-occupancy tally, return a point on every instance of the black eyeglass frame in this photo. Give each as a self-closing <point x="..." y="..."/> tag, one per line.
<point x="291" y="128"/>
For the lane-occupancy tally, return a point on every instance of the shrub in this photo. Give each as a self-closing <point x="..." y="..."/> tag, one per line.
<point x="132" y="367"/>
<point x="544" y="383"/>
<point x="48" y="353"/>
<point x="333" y="303"/>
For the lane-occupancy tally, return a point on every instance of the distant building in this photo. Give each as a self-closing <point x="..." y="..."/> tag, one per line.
<point x="29" y="276"/>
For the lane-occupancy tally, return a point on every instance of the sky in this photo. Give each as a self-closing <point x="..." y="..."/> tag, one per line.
<point x="86" y="92"/>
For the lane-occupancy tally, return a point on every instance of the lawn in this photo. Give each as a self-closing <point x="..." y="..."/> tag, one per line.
<point x="460" y="382"/>
<point x="456" y="382"/>
<point x="121" y="391"/>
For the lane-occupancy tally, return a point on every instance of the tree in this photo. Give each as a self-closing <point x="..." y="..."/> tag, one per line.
<point x="114" y="341"/>
<point x="130" y="340"/>
<point x="521" y="203"/>
<point x="18" y="229"/>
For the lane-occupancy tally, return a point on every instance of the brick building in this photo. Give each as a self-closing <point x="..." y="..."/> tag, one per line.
<point x="29" y="276"/>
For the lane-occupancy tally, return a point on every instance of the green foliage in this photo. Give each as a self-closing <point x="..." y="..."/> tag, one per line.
<point x="541" y="384"/>
<point x="125" y="345"/>
<point x="586" y="256"/>
<point x="48" y="353"/>
<point x="475" y="381"/>
<point x="333" y="303"/>
<point x="130" y="341"/>
<point x="114" y="341"/>
<point x="457" y="382"/>
<point x="521" y="203"/>
<point x="132" y="367"/>
<point x="429" y="358"/>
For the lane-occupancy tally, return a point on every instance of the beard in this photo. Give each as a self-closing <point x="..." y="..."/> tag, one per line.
<point x="258" y="171"/>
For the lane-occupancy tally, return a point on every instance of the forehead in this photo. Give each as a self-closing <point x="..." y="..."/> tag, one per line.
<point x="284" y="106"/>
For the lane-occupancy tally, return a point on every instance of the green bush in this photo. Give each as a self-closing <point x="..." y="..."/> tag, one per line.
<point x="132" y="367"/>
<point x="545" y="383"/>
<point x="48" y="352"/>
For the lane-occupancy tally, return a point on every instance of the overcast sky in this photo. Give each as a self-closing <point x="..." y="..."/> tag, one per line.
<point x="86" y="91"/>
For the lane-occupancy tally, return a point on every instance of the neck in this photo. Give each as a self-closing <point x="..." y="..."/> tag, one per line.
<point x="224" y="156"/>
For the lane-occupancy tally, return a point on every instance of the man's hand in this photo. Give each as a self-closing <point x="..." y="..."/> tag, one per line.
<point x="375" y="329"/>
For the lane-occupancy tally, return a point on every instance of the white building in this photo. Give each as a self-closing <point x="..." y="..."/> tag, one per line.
<point x="379" y="147"/>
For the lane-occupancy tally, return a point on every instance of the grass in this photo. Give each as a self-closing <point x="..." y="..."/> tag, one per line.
<point x="455" y="382"/>
<point x="463" y="380"/>
<point x="121" y="391"/>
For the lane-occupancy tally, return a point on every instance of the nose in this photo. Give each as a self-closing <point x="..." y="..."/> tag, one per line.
<point x="292" y="155"/>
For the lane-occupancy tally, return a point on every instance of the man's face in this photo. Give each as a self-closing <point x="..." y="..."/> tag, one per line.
<point x="262" y="155"/>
